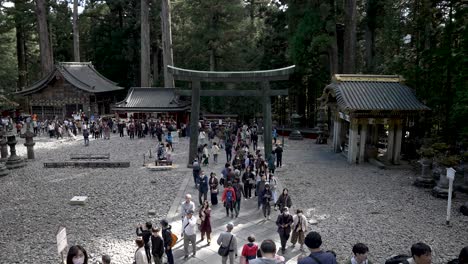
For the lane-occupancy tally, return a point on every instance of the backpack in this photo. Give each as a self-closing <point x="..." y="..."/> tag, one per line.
<point x="174" y="239"/>
<point x="398" y="259"/>
<point x="229" y="196"/>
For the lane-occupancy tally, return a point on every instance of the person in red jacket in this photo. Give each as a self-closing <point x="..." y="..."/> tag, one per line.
<point x="249" y="250"/>
<point x="229" y="199"/>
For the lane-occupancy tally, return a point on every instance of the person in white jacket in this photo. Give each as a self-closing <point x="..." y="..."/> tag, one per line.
<point x="299" y="228"/>
<point x="189" y="232"/>
<point x="140" y="254"/>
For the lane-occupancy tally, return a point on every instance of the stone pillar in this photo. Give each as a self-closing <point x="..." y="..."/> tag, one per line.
<point x="29" y="135"/>
<point x="194" y="118"/>
<point x="267" y="138"/>
<point x="398" y="140"/>
<point x="362" y="144"/>
<point x="352" y="144"/>
<point x="390" y="142"/>
<point x="337" y="135"/>
<point x="13" y="161"/>
<point x="375" y="135"/>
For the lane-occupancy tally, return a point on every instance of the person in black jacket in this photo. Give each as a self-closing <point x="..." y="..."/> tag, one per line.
<point x="284" y="222"/>
<point x="167" y="238"/>
<point x="146" y="234"/>
<point x="157" y="246"/>
<point x="279" y="156"/>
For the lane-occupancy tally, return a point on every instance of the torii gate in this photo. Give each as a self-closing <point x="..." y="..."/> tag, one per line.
<point x="263" y="77"/>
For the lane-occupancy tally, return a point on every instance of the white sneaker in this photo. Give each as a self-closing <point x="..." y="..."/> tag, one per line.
<point x="268" y="217"/>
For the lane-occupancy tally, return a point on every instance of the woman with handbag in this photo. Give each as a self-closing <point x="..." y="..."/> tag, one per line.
<point x="204" y="221"/>
<point x="213" y="182"/>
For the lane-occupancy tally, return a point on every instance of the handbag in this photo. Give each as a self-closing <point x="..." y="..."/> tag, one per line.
<point x="199" y="221"/>
<point x="224" y="251"/>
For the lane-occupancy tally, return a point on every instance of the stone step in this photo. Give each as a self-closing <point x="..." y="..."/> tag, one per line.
<point x="90" y="156"/>
<point x="88" y="164"/>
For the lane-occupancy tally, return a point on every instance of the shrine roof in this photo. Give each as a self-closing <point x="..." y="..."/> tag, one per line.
<point x="151" y="99"/>
<point x="372" y="93"/>
<point x="81" y="75"/>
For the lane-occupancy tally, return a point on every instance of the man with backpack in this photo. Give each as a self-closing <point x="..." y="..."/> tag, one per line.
<point x="229" y="199"/>
<point x="313" y="241"/>
<point x="168" y="239"/>
<point x="239" y="189"/>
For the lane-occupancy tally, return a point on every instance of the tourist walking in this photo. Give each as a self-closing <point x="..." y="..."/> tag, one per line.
<point x="249" y="250"/>
<point x="284" y="200"/>
<point x="271" y="163"/>
<point x="228" y="149"/>
<point x="279" y="156"/>
<point x="169" y="138"/>
<point x="273" y="186"/>
<point x="169" y="151"/>
<point x="168" y="240"/>
<point x="86" y="137"/>
<point x="259" y="190"/>
<point x="196" y="172"/>
<point x="299" y="228"/>
<point x="229" y="199"/>
<point x="248" y="179"/>
<point x="239" y="189"/>
<point x="206" y="155"/>
<point x="215" y="152"/>
<point x="187" y="206"/>
<point x="77" y="255"/>
<point x="189" y="233"/>
<point x="313" y="241"/>
<point x="157" y="245"/>
<point x="229" y="241"/>
<point x="284" y="222"/>
<point x="146" y="235"/>
<point x="266" y="197"/>
<point x="203" y="188"/>
<point x="140" y="254"/>
<point x="214" y="188"/>
<point x="205" y="221"/>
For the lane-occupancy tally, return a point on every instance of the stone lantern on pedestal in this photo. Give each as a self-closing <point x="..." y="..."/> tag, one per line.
<point x="295" y="134"/>
<point x="28" y="135"/>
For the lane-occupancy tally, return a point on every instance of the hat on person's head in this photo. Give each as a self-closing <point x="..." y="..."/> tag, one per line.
<point x="267" y="184"/>
<point x="190" y="211"/>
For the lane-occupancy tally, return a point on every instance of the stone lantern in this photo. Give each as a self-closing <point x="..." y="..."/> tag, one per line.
<point x="295" y="134"/>
<point x="28" y="135"/>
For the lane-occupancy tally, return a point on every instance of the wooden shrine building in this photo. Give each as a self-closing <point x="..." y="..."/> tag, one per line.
<point x="71" y="87"/>
<point x="366" y="109"/>
<point x="146" y="101"/>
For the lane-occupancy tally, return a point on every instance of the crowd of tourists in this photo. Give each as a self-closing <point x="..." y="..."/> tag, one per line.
<point x="250" y="177"/>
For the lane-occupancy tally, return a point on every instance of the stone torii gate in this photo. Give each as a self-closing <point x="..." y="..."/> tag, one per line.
<point x="262" y="77"/>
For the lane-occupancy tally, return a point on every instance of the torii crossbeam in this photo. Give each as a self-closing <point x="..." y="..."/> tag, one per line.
<point x="263" y="77"/>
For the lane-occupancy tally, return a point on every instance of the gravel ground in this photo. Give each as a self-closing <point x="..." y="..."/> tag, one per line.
<point x="353" y="203"/>
<point x="34" y="201"/>
<point x="362" y="203"/>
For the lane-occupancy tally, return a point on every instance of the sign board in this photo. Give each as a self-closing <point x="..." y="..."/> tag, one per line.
<point x="451" y="174"/>
<point x="62" y="240"/>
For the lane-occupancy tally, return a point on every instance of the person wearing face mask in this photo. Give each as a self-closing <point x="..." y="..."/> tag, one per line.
<point x="140" y="254"/>
<point x="77" y="255"/>
<point x="299" y="228"/>
<point x="284" y="222"/>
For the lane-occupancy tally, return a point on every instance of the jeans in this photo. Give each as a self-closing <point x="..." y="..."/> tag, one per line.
<point x="237" y="206"/>
<point x="266" y="209"/>
<point x="170" y="257"/>
<point x="284" y="239"/>
<point x="196" y="177"/>
<point x="200" y="194"/>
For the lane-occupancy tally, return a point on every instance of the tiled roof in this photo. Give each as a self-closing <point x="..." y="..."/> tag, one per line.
<point x="150" y="99"/>
<point x="365" y="94"/>
<point x="81" y="75"/>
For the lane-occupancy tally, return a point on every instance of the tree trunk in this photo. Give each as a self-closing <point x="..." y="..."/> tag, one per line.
<point x="76" y="32"/>
<point x="333" y="46"/>
<point x="156" y="66"/>
<point x="145" y="45"/>
<point x="167" y="42"/>
<point x="212" y="60"/>
<point x="371" y="7"/>
<point x="45" y="47"/>
<point x="349" y="59"/>
<point x="20" y="45"/>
